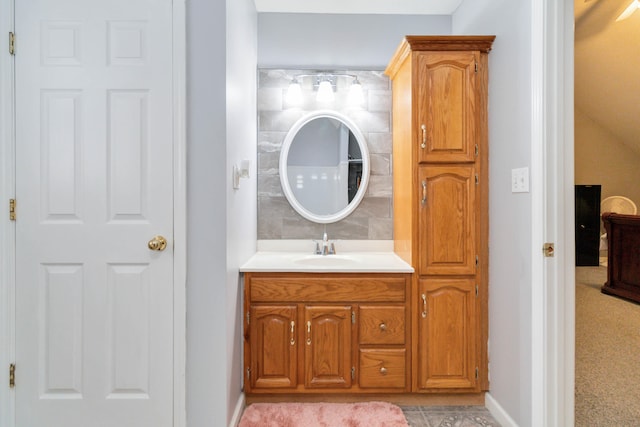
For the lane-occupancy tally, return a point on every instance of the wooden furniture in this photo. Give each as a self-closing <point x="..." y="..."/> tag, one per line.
<point x="327" y="333"/>
<point x="623" y="267"/>
<point x="440" y="191"/>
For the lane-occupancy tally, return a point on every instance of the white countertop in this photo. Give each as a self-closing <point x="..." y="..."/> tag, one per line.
<point x="346" y="261"/>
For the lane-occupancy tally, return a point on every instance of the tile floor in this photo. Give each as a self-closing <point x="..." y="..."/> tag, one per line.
<point x="449" y="416"/>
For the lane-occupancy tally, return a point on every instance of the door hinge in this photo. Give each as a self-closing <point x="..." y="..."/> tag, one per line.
<point x="248" y="317"/>
<point x="353" y="317"/>
<point x="248" y="373"/>
<point x="477" y="260"/>
<point x="476" y="67"/>
<point x="12" y="375"/>
<point x="476" y="372"/>
<point x="477" y="150"/>
<point x="353" y="372"/>
<point x="476" y="290"/>
<point x="12" y="43"/>
<point x="477" y="179"/>
<point x="12" y="209"/>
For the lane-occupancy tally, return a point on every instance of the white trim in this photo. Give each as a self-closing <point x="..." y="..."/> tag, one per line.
<point x="237" y="413"/>
<point x="7" y="228"/>
<point x="498" y="412"/>
<point x="552" y="279"/>
<point x="566" y="267"/>
<point x="538" y="217"/>
<point x="179" y="213"/>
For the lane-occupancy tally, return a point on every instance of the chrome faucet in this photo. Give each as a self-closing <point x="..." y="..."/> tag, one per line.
<point x="328" y="247"/>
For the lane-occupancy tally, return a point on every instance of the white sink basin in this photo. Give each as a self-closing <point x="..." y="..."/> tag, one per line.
<point x="342" y="262"/>
<point x="330" y="261"/>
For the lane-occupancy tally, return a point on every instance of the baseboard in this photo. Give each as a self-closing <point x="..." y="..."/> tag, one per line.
<point x="237" y="413"/>
<point x="498" y="412"/>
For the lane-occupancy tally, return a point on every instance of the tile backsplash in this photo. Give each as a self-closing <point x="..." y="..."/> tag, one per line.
<point x="372" y="220"/>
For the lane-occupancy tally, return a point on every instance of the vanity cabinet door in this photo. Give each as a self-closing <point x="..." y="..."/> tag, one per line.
<point x="446" y="106"/>
<point x="328" y="353"/>
<point x="274" y="344"/>
<point x="447" y="226"/>
<point x="447" y="327"/>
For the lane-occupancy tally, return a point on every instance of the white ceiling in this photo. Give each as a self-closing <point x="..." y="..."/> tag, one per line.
<point x="607" y="67"/>
<point x="408" y="7"/>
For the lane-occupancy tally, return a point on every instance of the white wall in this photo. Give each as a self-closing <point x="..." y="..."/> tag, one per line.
<point x="241" y="203"/>
<point x="328" y="41"/>
<point x="221" y="87"/>
<point x="510" y="243"/>
<point x="601" y="158"/>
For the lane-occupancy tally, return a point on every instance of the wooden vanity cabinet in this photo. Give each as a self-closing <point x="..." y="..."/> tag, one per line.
<point x="440" y="202"/>
<point x="327" y="333"/>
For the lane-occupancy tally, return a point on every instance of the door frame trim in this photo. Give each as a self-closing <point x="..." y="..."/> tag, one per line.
<point x="7" y="227"/>
<point x="552" y="157"/>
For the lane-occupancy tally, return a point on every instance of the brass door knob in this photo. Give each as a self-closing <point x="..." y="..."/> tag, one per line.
<point x="158" y="243"/>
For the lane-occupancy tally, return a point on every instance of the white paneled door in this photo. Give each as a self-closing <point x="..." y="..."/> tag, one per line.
<point x="94" y="178"/>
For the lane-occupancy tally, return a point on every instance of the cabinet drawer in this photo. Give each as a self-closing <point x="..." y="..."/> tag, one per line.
<point x="382" y="324"/>
<point x="326" y="288"/>
<point x="382" y="368"/>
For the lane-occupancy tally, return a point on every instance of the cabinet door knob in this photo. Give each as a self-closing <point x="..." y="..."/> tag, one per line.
<point x="424" y="136"/>
<point x="383" y="370"/>
<point x="383" y="326"/>
<point x="308" y="332"/>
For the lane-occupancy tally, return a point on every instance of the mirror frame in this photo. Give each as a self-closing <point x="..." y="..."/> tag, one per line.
<point x="284" y="156"/>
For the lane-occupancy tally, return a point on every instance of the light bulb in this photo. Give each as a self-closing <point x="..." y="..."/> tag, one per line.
<point x="294" y="94"/>
<point x="325" y="92"/>
<point x="635" y="5"/>
<point x="356" y="96"/>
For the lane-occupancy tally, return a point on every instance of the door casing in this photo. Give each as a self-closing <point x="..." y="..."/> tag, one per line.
<point x="7" y="227"/>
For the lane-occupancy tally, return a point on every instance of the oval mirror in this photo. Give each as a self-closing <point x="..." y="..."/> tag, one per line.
<point x="324" y="166"/>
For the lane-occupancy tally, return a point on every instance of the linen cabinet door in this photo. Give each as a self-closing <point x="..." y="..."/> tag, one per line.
<point x="328" y="354"/>
<point x="273" y="339"/>
<point x="447" y="226"/>
<point x="447" y="328"/>
<point x="446" y="106"/>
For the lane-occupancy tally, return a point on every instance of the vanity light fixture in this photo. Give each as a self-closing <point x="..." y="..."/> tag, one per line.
<point x="356" y="96"/>
<point x="294" y="93"/>
<point x="635" y="5"/>
<point x="326" y="85"/>
<point x="325" y="92"/>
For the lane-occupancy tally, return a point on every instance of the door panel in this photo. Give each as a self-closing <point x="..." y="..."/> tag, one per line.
<point x="274" y="346"/>
<point x="328" y="358"/>
<point x="447" y="231"/>
<point x="448" y="335"/>
<point x="446" y="110"/>
<point x="94" y="322"/>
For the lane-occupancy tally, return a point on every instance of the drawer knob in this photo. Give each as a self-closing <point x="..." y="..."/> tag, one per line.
<point x="383" y="370"/>
<point x="383" y="326"/>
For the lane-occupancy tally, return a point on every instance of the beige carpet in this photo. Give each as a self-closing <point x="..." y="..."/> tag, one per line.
<point x="607" y="354"/>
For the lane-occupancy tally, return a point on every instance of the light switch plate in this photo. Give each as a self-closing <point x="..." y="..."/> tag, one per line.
<point x="520" y="180"/>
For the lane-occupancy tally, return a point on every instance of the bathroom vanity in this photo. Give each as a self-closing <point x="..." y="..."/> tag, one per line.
<point x="411" y="321"/>
<point x="327" y="324"/>
<point x="327" y="332"/>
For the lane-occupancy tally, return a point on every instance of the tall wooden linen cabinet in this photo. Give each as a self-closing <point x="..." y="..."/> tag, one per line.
<point x="440" y="204"/>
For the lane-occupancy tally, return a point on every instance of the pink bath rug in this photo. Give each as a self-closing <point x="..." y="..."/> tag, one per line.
<point x="363" y="414"/>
